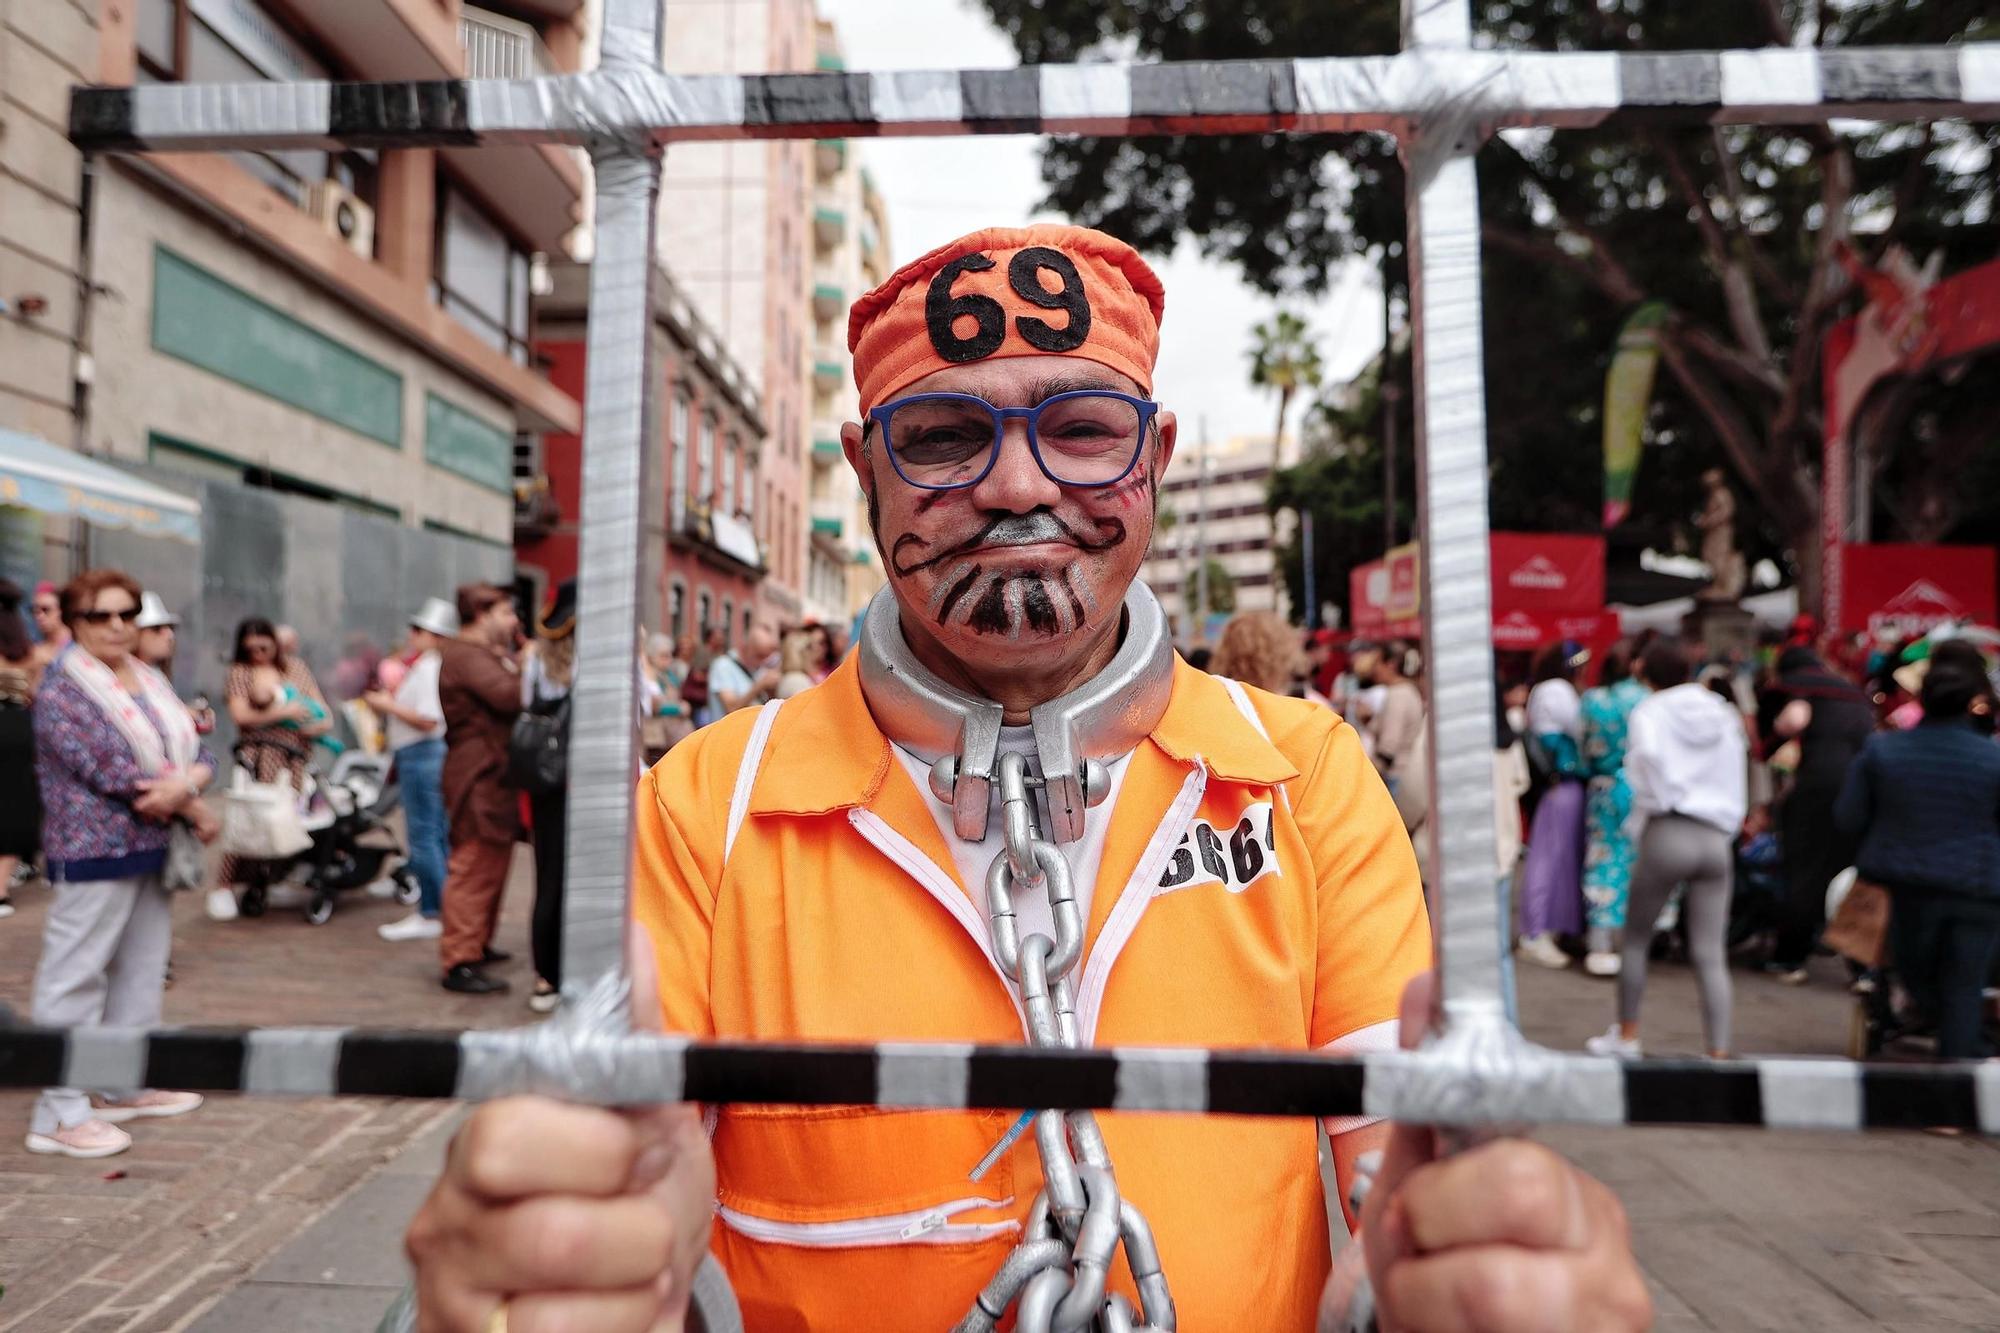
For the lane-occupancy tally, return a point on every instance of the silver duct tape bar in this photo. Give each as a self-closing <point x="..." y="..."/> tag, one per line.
<point x="621" y="419"/>
<point x="1549" y="1088"/>
<point x="1193" y="97"/>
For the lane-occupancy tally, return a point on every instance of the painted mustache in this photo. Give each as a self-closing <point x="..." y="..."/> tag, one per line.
<point x="1009" y="530"/>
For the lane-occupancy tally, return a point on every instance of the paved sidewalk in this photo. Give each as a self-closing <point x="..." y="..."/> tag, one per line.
<point x="147" y="1241"/>
<point x="1763" y="1230"/>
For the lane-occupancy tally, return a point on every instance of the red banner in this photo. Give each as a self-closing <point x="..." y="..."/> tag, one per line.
<point x="1546" y="587"/>
<point x="1370" y="591"/>
<point x="1911" y="588"/>
<point x="1547" y="572"/>
<point x="1406" y="584"/>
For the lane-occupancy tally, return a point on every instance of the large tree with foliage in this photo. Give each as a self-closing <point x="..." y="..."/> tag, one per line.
<point x="1737" y="228"/>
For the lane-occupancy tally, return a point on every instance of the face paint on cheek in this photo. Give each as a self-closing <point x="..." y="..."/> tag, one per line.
<point x="1127" y="492"/>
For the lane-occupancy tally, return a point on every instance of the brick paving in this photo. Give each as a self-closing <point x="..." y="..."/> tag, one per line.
<point x="259" y="1215"/>
<point x="204" y="1200"/>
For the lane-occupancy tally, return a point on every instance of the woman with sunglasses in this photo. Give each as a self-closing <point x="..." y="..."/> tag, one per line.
<point x="119" y="763"/>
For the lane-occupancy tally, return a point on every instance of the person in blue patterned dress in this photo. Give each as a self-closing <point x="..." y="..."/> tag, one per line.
<point x="1608" y="852"/>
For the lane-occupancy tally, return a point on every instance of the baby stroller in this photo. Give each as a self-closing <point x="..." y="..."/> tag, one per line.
<point x="347" y="812"/>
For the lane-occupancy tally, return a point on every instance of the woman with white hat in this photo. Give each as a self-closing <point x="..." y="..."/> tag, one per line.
<point x="416" y="739"/>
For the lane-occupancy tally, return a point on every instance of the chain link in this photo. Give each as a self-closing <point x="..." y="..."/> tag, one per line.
<point x="1056" y="1276"/>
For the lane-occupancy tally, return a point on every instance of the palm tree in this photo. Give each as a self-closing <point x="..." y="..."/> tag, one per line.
<point x="1284" y="357"/>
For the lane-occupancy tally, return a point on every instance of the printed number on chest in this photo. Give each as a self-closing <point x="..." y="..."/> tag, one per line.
<point x="1234" y="856"/>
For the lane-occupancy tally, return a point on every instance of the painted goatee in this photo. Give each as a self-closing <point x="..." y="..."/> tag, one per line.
<point x="1013" y="602"/>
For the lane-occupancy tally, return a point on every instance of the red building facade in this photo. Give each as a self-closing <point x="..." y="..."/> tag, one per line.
<point x="713" y="514"/>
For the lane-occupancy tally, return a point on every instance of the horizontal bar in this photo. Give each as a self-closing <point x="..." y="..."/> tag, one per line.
<point x="1420" y="1087"/>
<point x="1499" y="88"/>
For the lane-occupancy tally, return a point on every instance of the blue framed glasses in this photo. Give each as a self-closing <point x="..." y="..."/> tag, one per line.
<point x="948" y="441"/>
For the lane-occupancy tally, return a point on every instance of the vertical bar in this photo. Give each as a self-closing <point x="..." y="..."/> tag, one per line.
<point x="620" y="426"/>
<point x="1450" y="401"/>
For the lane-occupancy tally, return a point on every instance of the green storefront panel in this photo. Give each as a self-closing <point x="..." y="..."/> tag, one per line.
<point x="205" y="321"/>
<point x="460" y="442"/>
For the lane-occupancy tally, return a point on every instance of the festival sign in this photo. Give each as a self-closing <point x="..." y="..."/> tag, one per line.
<point x="1908" y="589"/>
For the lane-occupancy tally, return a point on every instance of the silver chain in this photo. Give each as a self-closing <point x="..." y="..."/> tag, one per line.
<point x="1078" y="1220"/>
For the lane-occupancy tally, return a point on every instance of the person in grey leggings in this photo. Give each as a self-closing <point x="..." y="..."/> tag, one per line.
<point x="1686" y="762"/>
<point x="1675" y="849"/>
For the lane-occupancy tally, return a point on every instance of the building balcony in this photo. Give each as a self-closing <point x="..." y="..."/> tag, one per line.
<point x="827" y="452"/>
<point x="829" y="62"/>
<point x="536" y="512"/>
<point x="827" y="527"/>
<point x="548" y="9"/>
<point x="828" y="302"/>
<point x="722" y="541"/>
<point x="498" y="47"/>
<point x="828" y="377"/>
<point x="829" y="156"/>
<point x="829" y="227"/>
<point x="388" y="39"/>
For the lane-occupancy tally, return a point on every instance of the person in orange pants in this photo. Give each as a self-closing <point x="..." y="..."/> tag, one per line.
<point x="479" y="692"/>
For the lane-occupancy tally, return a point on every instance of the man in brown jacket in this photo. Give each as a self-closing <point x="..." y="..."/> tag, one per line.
<point x="479" y="692"/>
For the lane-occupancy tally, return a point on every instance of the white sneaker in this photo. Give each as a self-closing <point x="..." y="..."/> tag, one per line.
<point x="222" y="905"/>
<point x="92" y="1138"/>
<point x="1542" y="950"/>
<point x="1614" y="1043"/>
<point x="415" y="926"/>
<point x="1603" y="963"/>
<point x="544" y="1001"/>
<point x="381" y="888"/>
<point x="150" y="1105"/>
<point x="6" y="910"/>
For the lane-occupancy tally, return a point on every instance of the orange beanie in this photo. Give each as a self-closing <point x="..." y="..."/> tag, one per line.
<point x="1009" y="291"/>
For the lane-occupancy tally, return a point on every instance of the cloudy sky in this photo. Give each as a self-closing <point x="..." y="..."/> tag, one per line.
<point x="938" y="189"/>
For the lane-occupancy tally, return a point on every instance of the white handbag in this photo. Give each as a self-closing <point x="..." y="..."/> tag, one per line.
<point x="260" y="820"/>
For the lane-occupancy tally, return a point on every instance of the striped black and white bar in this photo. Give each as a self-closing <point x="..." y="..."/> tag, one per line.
<point x="1575" y="89"/>
<point x="1552" y="1088"/>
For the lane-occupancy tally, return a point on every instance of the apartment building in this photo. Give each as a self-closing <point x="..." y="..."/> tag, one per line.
<point x="734" y="233"/>
<point x="351" y="326"/>
<point x="850" y="231"/>
<point x="1227" y="514"/>
<point x="704" y="551"/>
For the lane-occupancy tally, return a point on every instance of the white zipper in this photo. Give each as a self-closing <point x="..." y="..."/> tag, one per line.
<point x="1132" y="901"/>
<point x="926" y="1226"/>
<point x="940" y="886"/>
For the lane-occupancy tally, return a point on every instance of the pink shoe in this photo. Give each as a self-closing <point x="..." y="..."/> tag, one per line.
<point x="146" y="1106"/>
<point x="92" y="1138"/>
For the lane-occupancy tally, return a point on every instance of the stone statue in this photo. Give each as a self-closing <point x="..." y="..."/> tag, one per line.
<point x="1717" y="521"/>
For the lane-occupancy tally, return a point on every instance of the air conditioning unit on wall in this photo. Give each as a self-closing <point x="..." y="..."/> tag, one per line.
<point x="344" y="216"/>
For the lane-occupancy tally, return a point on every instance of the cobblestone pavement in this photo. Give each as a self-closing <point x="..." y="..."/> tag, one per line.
<point x="255" y="1216"/>
<point x="148" y="1240"/>
<point x="1754" y="1229"/>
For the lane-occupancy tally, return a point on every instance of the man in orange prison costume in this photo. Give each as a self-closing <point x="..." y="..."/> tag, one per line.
<point x="819" y="869"/>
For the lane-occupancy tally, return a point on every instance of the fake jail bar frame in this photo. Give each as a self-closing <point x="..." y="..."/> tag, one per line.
<point x="1439" y="97"/>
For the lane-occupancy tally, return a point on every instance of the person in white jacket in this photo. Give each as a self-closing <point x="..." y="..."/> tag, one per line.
<point x="1685" y="764"/>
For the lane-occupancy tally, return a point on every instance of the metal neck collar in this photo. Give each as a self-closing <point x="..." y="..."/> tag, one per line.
<point x="958" y="734"/>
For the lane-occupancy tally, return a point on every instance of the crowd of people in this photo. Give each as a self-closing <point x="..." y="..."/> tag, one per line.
<point x="1709" y="806"/>
<point x="111" y="792"/>
<point x="1655" y="801"/>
